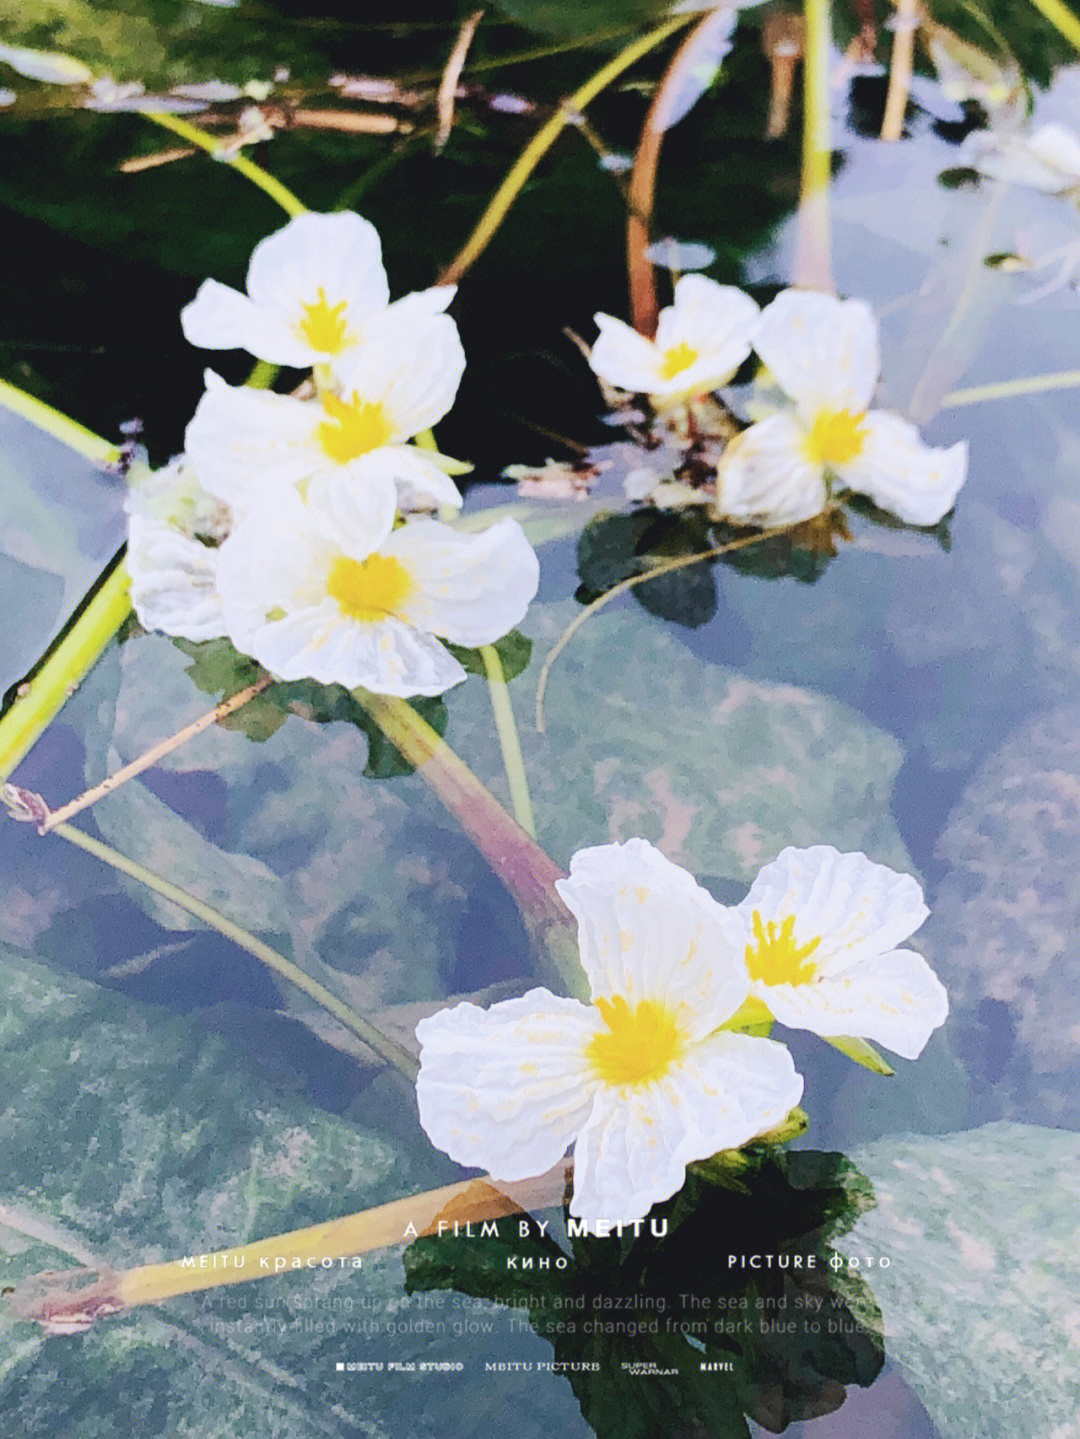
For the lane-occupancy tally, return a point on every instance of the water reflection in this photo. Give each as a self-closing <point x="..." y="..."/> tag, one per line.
<point x="735" y="1312"/>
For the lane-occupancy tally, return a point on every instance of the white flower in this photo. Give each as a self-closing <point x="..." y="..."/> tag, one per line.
<point x="248" y="444"/>
<point x="173" y="570"/>
<point x="313" y="289"/>
<point x="823" y="353"/>
<point x="330" y="590"/>
<point x="643" y="1079"/>
<point x="1047" y="160"/>
<point x="173" y="581"/>
<point x="173" y="495"/>
<point x="821" y="930"/>
<point x="701" y="340"/>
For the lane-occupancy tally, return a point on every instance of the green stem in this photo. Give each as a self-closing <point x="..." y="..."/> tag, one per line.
<point x="387" y="1048"/>
<point x="543" y="140"/>
<point x="40" y="699"/>
<point x="506" y="727"/>
<point x="813" y="267"/>
<point x="213" y="146"/>
<point x="1061" y="17"/>
<point x="1007" y="389"/>
<point x="67" y="431"/>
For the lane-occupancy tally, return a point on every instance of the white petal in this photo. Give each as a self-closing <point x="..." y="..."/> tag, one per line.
<point x="856" y="909"/>
<point x="421" y="304"/>
<point x="418" y="479"/>
<point x="220" y="318"/>
<point x="506" y="1089"/>
<point x="899" y="473"/>
<point x="173" y="581"/>
<point x="279" y="557"/>
<point x="337" y="253"/>
<point x="647" y="930"/>
<point x="412" y="365"/>
<point x="892" y="999"/>
<point x="822" y="351"/>
<point x="388" y="657"/>
<point x="247" y="444"/>
<point x="623" y="358"/>
<point x="635" y="1146"/>
<point x="1059" y="149"/>
<point x="718" y="321"/>
<point x="351" y="508"/>
<point x="470" y="588"/>
<point x="273" y="560"/>
<point x="1049" y="160"/>
<point x="765" y="478"/>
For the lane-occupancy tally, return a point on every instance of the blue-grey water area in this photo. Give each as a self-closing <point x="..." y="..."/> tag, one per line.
<point x="913" y="695"/>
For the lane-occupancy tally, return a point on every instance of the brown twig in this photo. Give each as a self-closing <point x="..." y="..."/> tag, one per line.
<point x="906" y="22"/>
<point x="783" y="39"/>
<point x="151" y="757"/>
<point x="444" y="101"/>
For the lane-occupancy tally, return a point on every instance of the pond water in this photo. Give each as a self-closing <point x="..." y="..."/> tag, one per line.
<point x="912" y="695"/>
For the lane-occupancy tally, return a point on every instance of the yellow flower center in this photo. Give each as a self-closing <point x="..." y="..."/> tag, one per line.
<point x="638" y="1045"/>
<point x="835" y="438"/>
<point x="677" y="359"/>
<point x="323" y="325"/>
<point x="368" y="590"/>
<point x="775" y="958"/>
<point x="352" y="428"/>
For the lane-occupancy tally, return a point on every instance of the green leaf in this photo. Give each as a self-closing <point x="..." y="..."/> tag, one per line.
<point x="514" y="651"/>
<point x="861" y="1052"/>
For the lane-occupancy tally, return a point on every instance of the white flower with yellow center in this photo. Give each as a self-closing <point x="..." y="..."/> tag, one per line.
<point x="173" y="569"/>
<point x="823" y="353"/>
<point x="249" y="444"/>
<point x="330" y="590"/>
<point x="313" y="289"/>
<point x="820" y="931"/>
<point x="701" y="340"/>
<point x="643" y="1080"/>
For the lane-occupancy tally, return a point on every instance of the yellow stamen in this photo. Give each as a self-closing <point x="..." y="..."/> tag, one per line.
<point x="775" y="958"/>
<point x="835" y="438"/>
<point x="639" y="1044"/>
<point x="353" y="428"/>
<point x="369" y="590"/>
<point x="677" y="359"/>
<point x="323" y="325"/>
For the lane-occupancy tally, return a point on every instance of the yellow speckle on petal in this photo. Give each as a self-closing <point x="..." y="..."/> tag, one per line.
<point x="775" y="958"/>
<point x="323" y="325"/>
<point x="352" y="428"/>
<point x="369" y="590"/>
<point x="835" y="438"/>
<point x="638" y="1045"/>
<point x="677" y="359"/>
